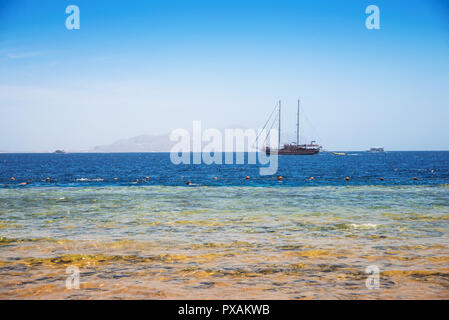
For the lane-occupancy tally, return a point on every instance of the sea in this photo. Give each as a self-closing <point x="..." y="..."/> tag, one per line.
<point x="136" y="226"/>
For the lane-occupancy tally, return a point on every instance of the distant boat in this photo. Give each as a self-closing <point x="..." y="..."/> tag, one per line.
<point x="339" y="153"/>
<point x="293" y="148"/>
<point x="60" y="152"/>
<point x="376" y="149"/>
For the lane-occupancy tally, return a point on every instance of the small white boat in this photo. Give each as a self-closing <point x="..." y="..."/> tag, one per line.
<point x="376" y="149"/>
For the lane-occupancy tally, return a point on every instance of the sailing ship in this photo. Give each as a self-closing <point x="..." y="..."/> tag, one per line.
<point x="293" y="148"/>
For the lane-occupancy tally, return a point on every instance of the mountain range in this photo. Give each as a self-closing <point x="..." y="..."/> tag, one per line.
<point x="152" y="143"/>
<point x="142" y="143"/>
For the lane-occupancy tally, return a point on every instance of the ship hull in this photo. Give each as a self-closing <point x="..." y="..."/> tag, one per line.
<point x="297" y="152"/>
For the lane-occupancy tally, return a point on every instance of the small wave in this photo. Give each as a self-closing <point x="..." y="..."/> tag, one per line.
<point x="346" y="226"/>
<point x="88" y="179"/>
<point x="362" y="226"/>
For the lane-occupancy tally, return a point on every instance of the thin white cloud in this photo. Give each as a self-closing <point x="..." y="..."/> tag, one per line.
<point x="24" y="55"/>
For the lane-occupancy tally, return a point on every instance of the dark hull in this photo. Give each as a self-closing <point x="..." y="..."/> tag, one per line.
<point x="296" y="152"/>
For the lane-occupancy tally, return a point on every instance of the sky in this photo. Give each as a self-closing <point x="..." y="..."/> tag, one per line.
<point x="149" y="67"/>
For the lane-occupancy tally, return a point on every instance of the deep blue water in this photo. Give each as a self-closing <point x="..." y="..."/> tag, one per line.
<point x="363" y="168"/>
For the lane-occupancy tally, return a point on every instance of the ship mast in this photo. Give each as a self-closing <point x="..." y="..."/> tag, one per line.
<point x="297" y="127"/>
<point x="279" y="129"/>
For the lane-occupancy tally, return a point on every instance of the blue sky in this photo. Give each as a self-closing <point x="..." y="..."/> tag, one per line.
<point x="148" y="67"/>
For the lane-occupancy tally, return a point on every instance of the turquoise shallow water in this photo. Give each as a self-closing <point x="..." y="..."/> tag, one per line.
<point x="151" y="212"/>
<point x="225" y="242"/>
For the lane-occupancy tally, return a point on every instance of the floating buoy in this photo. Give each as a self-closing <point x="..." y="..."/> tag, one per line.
<point x="247" y="178"/>
<point x="382" y="179"/>
<point x="280" y="178"/>
<point x="12" y="178"/>
<point x="215" y="178"/>
<point x="115" y="178"/>
<point x="347" y="178"/>
<point x="312" y="178"/>
<point x="415" y="178"/>
<point x="47" y="179"/>
<point x="147" y="178"/>
<point x="188" y="183"/>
